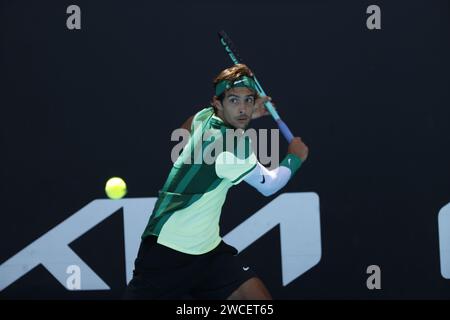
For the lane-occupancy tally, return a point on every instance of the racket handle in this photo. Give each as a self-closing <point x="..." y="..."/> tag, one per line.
<point x="285" y="130"/>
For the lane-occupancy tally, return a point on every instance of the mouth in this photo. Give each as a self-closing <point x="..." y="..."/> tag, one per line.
<point x="242" y="119"/>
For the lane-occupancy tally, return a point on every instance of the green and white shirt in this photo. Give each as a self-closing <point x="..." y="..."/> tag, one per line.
<point x="187" y="212"/>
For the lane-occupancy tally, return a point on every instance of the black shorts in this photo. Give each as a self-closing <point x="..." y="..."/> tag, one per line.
<point x="163" y="273"/>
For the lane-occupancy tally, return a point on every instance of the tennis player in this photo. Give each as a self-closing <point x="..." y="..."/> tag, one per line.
<point x="182" y="255"/>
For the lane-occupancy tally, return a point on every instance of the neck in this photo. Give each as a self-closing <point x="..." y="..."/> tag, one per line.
<point x="219" y="114"/>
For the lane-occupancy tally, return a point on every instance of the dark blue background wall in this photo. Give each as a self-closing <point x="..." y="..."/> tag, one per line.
<point x="81" y="106"/>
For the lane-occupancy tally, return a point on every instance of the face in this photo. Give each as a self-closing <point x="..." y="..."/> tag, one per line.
<point x="237" y="107"/>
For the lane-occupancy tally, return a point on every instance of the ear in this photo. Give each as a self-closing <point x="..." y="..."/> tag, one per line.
<point x="217" y="104"/>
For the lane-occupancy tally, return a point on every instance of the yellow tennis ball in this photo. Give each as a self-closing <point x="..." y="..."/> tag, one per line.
<point x="115" y="188"/>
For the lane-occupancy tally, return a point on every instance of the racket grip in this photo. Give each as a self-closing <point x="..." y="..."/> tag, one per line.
<point x="285" y="130"/>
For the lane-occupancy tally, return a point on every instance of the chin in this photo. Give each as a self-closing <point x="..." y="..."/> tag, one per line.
<point x="241" y="126"/>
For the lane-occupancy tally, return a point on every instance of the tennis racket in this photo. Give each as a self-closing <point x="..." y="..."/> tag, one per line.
<point x="233" y="54"/>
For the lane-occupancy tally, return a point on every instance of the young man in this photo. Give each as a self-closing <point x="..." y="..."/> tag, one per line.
<point x="182" y="254"/>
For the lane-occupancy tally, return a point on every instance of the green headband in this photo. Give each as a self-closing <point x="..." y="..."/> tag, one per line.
<point x="243" y="81"/>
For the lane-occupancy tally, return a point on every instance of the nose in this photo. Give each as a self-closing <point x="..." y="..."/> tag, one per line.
<point x="241" y="108"/>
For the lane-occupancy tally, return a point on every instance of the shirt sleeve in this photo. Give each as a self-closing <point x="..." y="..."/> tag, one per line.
<point x="202" y="115"/>
<point x="235" y="165"/>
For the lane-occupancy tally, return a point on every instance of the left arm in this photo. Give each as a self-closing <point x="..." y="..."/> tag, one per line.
<point x="187" y="124"/>
<point x="268" y="182"/>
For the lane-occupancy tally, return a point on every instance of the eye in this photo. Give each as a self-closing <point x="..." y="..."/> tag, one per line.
<point x="250" y="100"/>
<point x="233" y="100"/>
